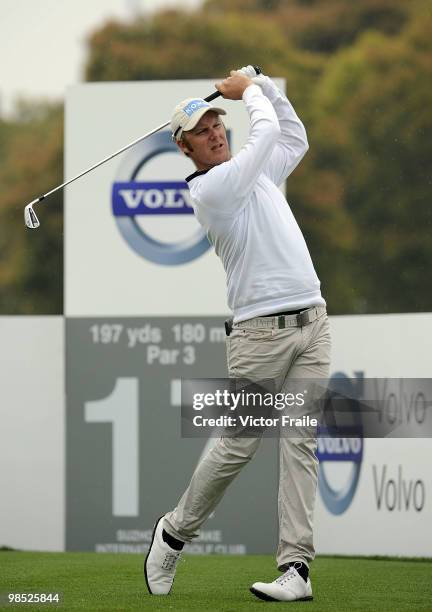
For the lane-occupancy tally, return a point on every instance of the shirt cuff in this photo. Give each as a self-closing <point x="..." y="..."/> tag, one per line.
<point x="251" y="91"/>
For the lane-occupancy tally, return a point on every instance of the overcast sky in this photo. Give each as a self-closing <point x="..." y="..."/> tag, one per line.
<point x="42" y="42"/>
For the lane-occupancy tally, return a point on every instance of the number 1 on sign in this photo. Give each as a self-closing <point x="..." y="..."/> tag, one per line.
<point x="120" y="409"/>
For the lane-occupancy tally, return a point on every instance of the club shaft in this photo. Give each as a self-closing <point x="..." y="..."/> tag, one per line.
<point x="102" y="161"/>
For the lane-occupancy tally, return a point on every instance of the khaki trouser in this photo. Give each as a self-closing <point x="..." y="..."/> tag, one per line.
<point x="261" y="353"/>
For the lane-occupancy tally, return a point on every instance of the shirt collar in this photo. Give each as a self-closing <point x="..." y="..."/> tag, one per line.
<point x="195" y="174"/>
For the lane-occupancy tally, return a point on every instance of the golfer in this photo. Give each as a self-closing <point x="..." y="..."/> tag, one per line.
<point x="280" y="328"/>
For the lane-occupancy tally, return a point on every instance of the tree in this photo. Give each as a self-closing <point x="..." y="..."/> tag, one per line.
<point x="374" y="125"/>
<point x="176" y="45"/>
<point x="323" y="26"/>
<point x="31" y="262"/>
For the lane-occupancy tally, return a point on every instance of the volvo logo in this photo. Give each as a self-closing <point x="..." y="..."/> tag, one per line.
<point x="332" y="449"/>
<point x="135" y="201"/>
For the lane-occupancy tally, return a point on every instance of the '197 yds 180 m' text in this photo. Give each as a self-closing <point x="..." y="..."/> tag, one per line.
<point x="150" y="338"/>
<point x="181" y="333"/>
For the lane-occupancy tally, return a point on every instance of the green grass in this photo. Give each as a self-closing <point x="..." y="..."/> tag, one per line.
<point x="90" y="581"/>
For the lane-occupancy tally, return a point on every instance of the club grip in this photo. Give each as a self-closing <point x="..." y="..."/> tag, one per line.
<point x="212" y="96"/>
<point x="216" y="94"/>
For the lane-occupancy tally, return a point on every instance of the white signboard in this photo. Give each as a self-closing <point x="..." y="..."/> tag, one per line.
<point x="379" y="501"/>
<point x="32" y="432"/>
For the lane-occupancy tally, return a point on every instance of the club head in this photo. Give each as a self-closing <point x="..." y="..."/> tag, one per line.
<point x="30" y="217"/>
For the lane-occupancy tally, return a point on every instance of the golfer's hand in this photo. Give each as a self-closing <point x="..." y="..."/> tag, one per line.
<point x="249" y="71"/>
<point x="232" y="88"/>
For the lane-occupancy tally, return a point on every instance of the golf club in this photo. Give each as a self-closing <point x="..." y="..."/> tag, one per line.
<point x="30" y="217"/>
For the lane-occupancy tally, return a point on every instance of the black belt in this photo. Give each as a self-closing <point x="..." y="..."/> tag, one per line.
<point x="284" y="313"/>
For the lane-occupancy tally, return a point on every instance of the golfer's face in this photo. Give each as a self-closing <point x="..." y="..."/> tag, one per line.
<point x="208" y="142"/>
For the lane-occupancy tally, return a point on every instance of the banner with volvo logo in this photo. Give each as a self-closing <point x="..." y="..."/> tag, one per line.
<point x="132" y="243"/>
<point x="375" y="494"/>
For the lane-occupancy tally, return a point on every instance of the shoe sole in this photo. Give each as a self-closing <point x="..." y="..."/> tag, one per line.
<point x="266" y="597"/>
<point x="147" y="555"/>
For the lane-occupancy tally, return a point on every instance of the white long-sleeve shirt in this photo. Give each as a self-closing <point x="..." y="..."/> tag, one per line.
<point x="249" y="221"/>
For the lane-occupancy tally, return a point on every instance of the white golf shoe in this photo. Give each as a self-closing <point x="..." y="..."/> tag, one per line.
<point x="160" y="563"/>
<point x="288" y="587"/>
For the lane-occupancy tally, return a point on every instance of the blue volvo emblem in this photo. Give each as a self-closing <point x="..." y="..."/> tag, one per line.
<point x="337" y="448"/>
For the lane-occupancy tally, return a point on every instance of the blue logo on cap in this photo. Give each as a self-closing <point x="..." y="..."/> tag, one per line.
<point x="194" y="105"/>
<point x="132" y="199"/>
<point x="336" y="449"/>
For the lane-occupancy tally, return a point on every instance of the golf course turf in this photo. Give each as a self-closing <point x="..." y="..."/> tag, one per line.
<point x="90" y="581"/>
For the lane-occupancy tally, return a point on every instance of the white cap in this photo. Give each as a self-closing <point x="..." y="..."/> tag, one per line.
<point x="187" y="114"/>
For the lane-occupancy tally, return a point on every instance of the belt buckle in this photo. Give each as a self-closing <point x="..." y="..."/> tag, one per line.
<point x="304" y="317"/>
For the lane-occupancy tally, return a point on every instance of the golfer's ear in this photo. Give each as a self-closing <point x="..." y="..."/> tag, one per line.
<point x="183" y="148"/>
